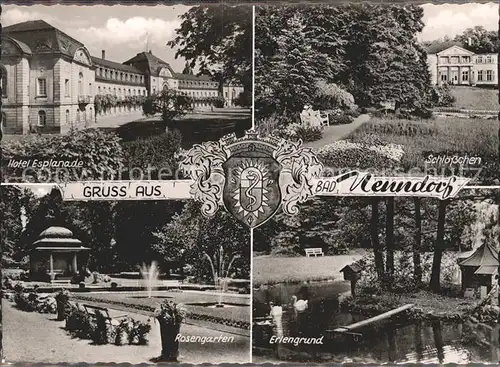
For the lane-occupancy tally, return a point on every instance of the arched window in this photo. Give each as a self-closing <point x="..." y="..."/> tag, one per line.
<point x="114" y="91"/>
<point x="4" y="120"/>
<point x="42" y="118"/>
<point x="90" y="114"/>
<point x="129" y="93"/>
<point x="98" y="90"/>
<point x="67" y="117"/>
<point x="80" y="84"/>
<point x="3" y="70"/>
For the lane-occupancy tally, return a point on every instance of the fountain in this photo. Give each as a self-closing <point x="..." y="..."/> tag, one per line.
<point x="150" y="276"/>
<point x="220" y="273"/>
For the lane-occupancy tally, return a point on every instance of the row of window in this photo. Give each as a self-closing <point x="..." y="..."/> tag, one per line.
<point x="482" y="75"/>
<point x="42" y="117"/>
<point x="118" y="92"/>
<point x="120" y="75"/>
<point x="466" y="59"/>
<point x="198" y="93"/>
<point x="197" y="83"/>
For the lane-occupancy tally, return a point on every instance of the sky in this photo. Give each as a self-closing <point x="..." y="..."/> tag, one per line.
<point x="452" y="19"/>
<point x="120" y="30"/>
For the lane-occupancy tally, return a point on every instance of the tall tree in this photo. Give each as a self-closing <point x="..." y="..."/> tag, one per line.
<point x="217" y="39"/>
<point x="377" y="250"/>
<point x="389" y="235"/>
<point x="479" y="40"/>
<point x="417" y="244"/>
<point x="439" y="247"/>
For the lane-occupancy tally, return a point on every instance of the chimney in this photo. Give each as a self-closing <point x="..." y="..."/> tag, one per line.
<point x="103" y="53"/>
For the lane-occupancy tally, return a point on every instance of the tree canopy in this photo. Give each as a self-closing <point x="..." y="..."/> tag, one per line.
<point x="217" y="40"/>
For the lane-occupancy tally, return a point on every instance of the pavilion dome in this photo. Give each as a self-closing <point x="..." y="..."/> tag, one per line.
<point x="56" y="232"/>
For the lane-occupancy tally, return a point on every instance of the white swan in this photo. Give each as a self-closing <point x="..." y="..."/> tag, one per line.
<point x="299" y="305"/>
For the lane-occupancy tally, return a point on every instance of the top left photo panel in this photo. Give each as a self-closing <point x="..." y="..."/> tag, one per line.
<point x="119" y="92"/>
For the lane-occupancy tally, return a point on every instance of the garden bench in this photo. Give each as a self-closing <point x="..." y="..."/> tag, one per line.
<point x="315" y="251"/>
<point x="92" y="312"/>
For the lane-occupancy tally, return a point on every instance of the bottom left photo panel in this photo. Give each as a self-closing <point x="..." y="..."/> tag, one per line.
<point x="121" y="281"/>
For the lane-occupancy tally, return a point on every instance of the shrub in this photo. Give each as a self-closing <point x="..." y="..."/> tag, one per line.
<point x="330" y="96"/>
<point x="401" y="128"/>
<point x="155" y="151"/>
<point x="219" y="102"/>
<point x="275" y="122"/>
<point x="340" y="119"/>
<point x="103" y="332"/>
<point x="81" y="285"/>
<point x="114" y="285"/>
<point x="441" y="96"/>
<point x="100" y="152"/>
<point x="26" y="301"/>
<point x="79" y="323"/>
<point x="244" y="99"/>
<point x="297" y="131"/>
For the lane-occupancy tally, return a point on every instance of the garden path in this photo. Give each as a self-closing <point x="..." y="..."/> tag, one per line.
<point x="337" y="132"/>
<point x="35" y="337"/>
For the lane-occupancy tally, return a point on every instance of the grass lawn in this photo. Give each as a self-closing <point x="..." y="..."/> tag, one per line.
<point x="475" y="98"/>
<point x="195" y="127"/>
<point x="272" y="270"/>
<point x="427" y="301"/>
<point x="475" y="136"/>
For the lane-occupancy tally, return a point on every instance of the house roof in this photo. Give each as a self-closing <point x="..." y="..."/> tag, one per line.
<point x="355" y="267"/>
<point x="42" y="37"/>
<point x="115" y="65"/>
<point x="147" y="62"/>
<point x="436" y="48"/>
<point x="484" y="255"/>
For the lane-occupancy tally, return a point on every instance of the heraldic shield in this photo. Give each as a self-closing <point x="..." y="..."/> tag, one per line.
<point x="251" y="190"/>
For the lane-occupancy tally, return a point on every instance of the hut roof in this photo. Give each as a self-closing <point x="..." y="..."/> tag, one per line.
<point x="57" y="238"/>
<point x="485" y="258"/>
<point x="355" y="267"/>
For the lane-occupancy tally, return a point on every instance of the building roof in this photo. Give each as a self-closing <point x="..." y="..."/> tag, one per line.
<point x="181" y="76"/>
<point x="484" y="256"/>
<point x="115" y="65"/>
<point x="22" y="46"/>
<point x="42" y="37"/>
<point x="59" y="238"/>
<point x="56" y="232"/>
<point x="438" y="47"/>
<point x="147" y="62"/>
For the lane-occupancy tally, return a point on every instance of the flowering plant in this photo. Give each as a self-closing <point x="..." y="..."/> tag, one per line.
<point x="170" y="313"/>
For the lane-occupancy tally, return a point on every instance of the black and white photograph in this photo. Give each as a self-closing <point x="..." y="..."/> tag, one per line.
<point x="126" y="282"/>
<point x="120" y="86"/>
<point x="398" y="89"/>
<point x="379" y="280"/>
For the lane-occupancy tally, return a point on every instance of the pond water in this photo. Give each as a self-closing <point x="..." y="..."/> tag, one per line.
<point x="395" y="340"/>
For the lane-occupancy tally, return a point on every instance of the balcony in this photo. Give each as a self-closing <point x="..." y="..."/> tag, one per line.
<point x="84" y="99"/>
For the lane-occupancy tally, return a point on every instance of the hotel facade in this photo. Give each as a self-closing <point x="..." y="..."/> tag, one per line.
<point x="457" y="66"/>
<point x="50" y="82"/>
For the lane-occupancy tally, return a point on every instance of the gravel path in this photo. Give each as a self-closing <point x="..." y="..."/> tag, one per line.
<point x="33" y="337"/>
<point x="336" y="132"/>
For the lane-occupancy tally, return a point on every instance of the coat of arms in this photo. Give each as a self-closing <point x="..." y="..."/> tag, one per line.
<point x="251" y="176"/>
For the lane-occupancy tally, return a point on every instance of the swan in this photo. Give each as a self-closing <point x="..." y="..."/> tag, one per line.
<point x="299" y="305"/>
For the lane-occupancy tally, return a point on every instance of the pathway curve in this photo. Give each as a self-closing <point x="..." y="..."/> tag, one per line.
<point x="35" y="337"/>
<point x="337" y="132"/>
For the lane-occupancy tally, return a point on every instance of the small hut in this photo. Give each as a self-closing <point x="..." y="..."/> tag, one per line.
<point x="479" y="269"/>
<point x="56" y="254"/>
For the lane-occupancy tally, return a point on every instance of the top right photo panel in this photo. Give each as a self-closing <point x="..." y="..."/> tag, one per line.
<point x="405" y="90"/>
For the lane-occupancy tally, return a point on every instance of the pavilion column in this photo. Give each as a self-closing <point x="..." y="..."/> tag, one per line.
<point x="75" y="265"/>
<point x="51" y="266"/>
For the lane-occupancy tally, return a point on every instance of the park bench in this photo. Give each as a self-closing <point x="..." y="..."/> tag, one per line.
<point x="92" y="312"/>
<point x="314" y="251"/>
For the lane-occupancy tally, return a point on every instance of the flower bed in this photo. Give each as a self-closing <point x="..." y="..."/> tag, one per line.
<point x="190" y="315"/>
<point x="102" y="330"/>
<point x="344" y="153"/>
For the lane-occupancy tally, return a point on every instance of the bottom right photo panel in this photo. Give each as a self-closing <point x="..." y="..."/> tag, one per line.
<point x="379" y="280"/>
